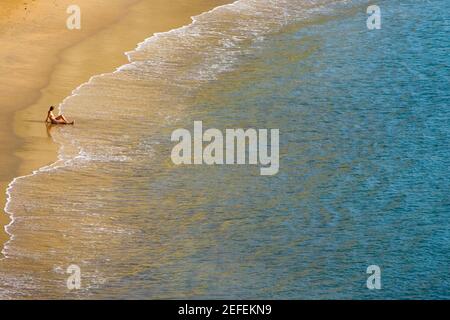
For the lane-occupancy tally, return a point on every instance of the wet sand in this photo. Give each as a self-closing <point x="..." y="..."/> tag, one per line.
<point x="44" y="62"/>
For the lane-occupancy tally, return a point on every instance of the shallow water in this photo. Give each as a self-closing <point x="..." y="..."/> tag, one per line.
<point x="364" y="163"/>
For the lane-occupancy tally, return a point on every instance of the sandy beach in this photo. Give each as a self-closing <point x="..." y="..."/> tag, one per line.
<point x="44" y="62"/>
<point x="354" y="115"/>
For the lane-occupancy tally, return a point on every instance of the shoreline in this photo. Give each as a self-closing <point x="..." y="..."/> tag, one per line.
<point x="102" y="51"/>
<point x="30" y="42"/>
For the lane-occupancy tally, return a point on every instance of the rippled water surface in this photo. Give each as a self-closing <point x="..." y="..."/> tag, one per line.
<point x="364" y="151"/>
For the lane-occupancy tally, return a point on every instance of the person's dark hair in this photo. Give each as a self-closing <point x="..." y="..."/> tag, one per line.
<point x="52" y="108"/>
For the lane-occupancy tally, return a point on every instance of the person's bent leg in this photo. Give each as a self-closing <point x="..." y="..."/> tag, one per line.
<point x="61" y="117"/>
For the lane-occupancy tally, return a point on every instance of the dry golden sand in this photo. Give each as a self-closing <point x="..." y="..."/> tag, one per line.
<point x="43" y="61"/>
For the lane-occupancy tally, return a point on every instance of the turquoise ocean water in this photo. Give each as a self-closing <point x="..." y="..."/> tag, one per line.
<point x="364" y="157"/>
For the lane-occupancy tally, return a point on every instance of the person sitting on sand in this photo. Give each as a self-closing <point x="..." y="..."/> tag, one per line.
<point x="56" y="120"/>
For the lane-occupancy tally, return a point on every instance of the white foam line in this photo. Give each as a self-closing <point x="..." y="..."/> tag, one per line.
<point x="8" y="201"/>
<point x="156" y="35"/>
<point x="74" y="93"/>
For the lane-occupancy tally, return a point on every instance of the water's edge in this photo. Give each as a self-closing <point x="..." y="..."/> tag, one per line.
<point x="59" y="161"/>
